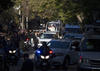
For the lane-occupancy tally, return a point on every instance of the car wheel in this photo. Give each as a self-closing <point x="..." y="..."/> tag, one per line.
<point x="66" y="63"/>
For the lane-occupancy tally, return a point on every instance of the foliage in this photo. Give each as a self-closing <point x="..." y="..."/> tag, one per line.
<point x="5" y="4"/>
<point x="6" y="17"/>
<point x="64" y="10"/>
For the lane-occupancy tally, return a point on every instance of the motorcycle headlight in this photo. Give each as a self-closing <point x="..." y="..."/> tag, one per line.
<point x="47" y="57"/>
<point x="14" y="51"/>
<point x="10" y="51"/>
<point x="25" y="42"/>
<point x="42" y="57"/>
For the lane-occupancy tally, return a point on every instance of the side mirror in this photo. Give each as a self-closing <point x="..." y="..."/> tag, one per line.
<point x="75" y="45"/>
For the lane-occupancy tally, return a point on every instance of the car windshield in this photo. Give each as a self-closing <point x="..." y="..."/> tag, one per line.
<point x="58" y="44"/>
<point x="47" y="36"/>
<point x="73" y="30"/>
<point x="67" y="36"/>
<point x="91" y="45"/>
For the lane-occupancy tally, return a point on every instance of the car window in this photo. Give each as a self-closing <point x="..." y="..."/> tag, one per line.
<point x="90" y="45"/>
<point x="58" y="44"/>
<point x="47" y="36"/>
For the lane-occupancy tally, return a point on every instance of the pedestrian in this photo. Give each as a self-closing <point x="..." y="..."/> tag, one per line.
<point x="28" y="64"/>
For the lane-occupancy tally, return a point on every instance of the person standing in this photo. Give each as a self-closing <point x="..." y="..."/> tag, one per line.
<point x="28" y="64"/>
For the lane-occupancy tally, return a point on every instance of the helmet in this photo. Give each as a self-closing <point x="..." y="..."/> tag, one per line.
<point x="44" y="43"/>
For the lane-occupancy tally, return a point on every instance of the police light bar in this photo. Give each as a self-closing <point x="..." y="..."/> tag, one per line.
<point x="38" y="51"/>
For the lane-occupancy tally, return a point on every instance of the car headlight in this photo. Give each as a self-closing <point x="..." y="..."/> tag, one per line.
<point x="47" y="57"/>
<point x="10" y="51"/>
<point x="42" y="57"/>
<point x="14" y="51"/>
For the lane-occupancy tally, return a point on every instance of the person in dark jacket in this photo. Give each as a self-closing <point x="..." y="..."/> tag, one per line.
<point x="28" y="65"/>
<point x="44" y="48"/>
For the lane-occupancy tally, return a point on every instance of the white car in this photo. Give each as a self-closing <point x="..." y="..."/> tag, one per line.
<point x="46" y="37"/>
<point x="63" y="55"/>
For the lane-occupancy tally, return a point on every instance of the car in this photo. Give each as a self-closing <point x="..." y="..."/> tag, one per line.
<point x="46" y="37"/>
<point x="89" y="58"/>
<point x="63" y="54"/>
<point x="73" y="36"/>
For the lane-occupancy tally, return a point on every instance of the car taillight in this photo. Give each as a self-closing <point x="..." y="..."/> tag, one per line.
<point x="80" y="59"/>
<point x="50" y="52"/>
<point x="38" y="51"/>
<point x="27" y="39"/>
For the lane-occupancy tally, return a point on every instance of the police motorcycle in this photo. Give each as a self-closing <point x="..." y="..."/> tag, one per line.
<point x="43" y="58"/>
<point x="13" y="56"/>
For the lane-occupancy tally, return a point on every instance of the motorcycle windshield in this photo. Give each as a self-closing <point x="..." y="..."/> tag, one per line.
<point x="44" y="51"/>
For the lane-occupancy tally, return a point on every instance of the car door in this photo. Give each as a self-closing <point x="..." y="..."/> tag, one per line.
<point x="59" y="50"/>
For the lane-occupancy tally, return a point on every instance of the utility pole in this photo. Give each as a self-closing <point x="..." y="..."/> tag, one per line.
<point x="20" y="16"/>
<point x="27" y="14"/>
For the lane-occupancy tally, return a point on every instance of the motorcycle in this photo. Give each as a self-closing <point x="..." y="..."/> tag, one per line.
<point x="43" y="58"/>
<point x="28" y="44"/>
<point x="13" y="55"/>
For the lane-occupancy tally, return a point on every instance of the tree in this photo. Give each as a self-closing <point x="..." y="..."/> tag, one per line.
<point x="7" y="14"/>
<point x="5" y="4"/>
<point x="65" y="10"/>
<point x="6" y="18"/>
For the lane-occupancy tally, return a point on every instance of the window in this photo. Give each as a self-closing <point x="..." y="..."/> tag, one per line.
<point x="47" y="36"/>
<point x="91" y="45"/>
<point x="58" y="44"/>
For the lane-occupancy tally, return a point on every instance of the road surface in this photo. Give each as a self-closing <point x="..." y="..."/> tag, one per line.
<point x="18" y="67"/>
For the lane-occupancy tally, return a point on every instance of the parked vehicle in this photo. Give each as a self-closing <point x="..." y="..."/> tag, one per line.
<point x="89" y="55"/>
<point x="89" y="51"/>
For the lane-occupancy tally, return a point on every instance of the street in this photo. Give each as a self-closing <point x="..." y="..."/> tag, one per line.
<point x="17" y="68"/>
<point x="49" y="35"/>
<point x="31" y="56"/>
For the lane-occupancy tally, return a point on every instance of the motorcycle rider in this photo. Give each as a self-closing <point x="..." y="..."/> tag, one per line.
<point x="45" y="49"/>
<point x="28" y="64"/>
